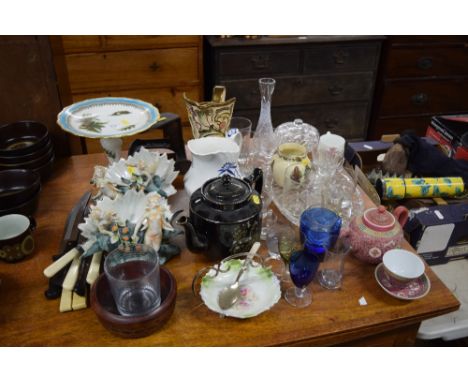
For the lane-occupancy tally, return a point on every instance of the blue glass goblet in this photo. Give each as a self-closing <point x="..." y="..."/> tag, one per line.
<point x="302" y="267"/>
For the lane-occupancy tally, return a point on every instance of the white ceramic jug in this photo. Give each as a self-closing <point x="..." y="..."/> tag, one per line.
<point x="211" y="157"/>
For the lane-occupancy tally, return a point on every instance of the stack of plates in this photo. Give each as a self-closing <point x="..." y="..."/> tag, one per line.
<point x="26" y="145"/>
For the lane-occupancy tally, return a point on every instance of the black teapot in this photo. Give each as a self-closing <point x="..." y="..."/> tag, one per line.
<point x="225" y="216"/>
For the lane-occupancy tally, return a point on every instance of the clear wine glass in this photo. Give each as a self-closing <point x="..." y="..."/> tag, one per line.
<point x="280" y="243"/>
<point x="287" y="243"/>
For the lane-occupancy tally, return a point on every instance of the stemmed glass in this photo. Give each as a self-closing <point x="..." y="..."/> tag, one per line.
<point x="286" y="245"/>
<point x="302" y="268"/>
<point x="280" y="243"/>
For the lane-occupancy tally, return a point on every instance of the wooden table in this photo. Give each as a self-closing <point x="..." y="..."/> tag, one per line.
<point x="334" y="317"/>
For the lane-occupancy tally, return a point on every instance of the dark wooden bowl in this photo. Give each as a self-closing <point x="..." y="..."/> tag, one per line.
<point x="17" y="187"/>
<point x="45" y="171"/>
<point x="28" y="208"/>
<point x="27" y="158"/>
<point x="104" y="306"/>
<point x="23" y="137"/>
<point x="33" y="163"/>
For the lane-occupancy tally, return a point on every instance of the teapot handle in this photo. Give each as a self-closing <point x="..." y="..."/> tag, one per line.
<point x="256" y="180"/>
<point x="401" y="213"/>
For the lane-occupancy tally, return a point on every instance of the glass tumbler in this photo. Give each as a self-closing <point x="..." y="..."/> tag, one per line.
<point x="134" y="279"/>
<point x="244" y="126"/>
<point x="319" y="229"/>
<point x="330" y="275"/>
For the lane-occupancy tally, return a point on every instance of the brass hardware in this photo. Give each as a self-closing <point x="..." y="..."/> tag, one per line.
<point x="260" y="62"/>
<point x="419" y="99"/>
<point x="335" y="89"/>
<point x="154" y="66"/>
<point x="340" y="57"/>
<point x="425" y="63"/>
<point x="298" y="82"/>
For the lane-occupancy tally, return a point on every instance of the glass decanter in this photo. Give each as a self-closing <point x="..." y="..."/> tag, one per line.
<point x="264" y="144"/>
<point x="264" y="137"/>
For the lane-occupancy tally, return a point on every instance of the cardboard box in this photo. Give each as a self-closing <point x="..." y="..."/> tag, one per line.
<point x="439" y="233"/>
<point x="451" y="132"/>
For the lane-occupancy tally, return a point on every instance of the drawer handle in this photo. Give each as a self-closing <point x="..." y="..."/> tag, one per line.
<point x="154" y="66"/>
<point x="260" y="62"/>
<point x="335" y="90"/>
<point x="331" y="123"/>
<point x="340" y="57"/>
<point x="425" y="63"/>
<point x="419" y="99"/>
<point x="298" y="82"/>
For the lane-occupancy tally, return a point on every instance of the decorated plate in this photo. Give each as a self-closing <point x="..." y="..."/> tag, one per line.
<point x="260" y="289"/>
<point x="109" y="117"/>
<point x="411" y="290"/>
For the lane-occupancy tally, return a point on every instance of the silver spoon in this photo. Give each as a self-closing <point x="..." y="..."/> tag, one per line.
<point x="230" y="294"/>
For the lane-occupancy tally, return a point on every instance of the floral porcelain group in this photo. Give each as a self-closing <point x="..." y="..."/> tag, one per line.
<point x="131" y="205"/>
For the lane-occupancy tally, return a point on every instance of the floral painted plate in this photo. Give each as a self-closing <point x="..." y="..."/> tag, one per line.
<point x="411" y="290"/>
<point x="108" y="117"/>
<point x="260" y="289"/>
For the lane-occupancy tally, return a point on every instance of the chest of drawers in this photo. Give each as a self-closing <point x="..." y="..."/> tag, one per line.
<point x="326" y="81"/>
<point x="156" y="69"/>
<point x="420" y="77"/>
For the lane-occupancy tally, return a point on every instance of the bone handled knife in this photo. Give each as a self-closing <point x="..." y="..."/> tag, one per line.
<point x="93" y="272"/>
<point x="67" y="251"/>
<point x="72" y="274"/>
<point x="80" y="285"/>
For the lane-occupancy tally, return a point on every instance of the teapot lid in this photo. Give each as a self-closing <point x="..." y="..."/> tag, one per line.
<point x="379" y="219"/>
<point x="226" y="192"/>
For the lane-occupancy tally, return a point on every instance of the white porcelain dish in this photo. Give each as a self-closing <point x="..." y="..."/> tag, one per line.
<point x="260" y="289"/>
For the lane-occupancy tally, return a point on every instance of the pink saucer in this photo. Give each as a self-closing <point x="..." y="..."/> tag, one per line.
<point x="411" y="290"/>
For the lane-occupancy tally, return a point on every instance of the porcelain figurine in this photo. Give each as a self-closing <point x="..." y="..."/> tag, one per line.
<point x="376" y="232"/>
<point x="132" y="218"/>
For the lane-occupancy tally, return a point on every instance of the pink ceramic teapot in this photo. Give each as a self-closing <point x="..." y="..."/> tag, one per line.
<point x="376" y="232"/>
